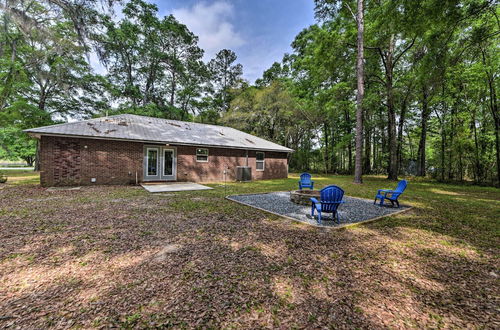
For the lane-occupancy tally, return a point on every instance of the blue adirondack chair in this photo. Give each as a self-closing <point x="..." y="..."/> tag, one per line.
<point x="391" y="195"/>
<point x="330" y="199"/>
<point x="305" y="181"/>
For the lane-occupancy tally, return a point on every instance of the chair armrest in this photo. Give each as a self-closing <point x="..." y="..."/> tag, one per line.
<point x="339" y="202"/>
<point x="314" y="200"/>
<point x="385" y="191"/>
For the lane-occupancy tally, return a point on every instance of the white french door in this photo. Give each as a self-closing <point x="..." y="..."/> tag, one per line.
<point x="160" y="163"/>
<point x="169" y="164"/>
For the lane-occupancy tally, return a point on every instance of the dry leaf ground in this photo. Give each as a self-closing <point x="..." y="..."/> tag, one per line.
<point x="119" y="256"/>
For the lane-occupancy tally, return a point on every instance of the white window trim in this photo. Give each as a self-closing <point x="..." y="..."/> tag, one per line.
<point x="157" y="161"/>
<point x="260" y="161"/>
<point x="201" y="161"/>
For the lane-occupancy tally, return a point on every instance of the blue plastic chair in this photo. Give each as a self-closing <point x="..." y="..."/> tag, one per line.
<point x="330" y="199"/>
<point x="391" y="195"/>
<point x="305" y="181"/>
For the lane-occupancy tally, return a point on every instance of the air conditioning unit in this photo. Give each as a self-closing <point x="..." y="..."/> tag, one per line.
<point x="243" y="173"/>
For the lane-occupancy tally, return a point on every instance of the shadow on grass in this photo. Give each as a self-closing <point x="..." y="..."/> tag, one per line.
<point x="117" y="256"/>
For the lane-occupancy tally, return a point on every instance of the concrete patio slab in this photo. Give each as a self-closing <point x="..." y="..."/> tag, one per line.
<point x="173" y="186"/>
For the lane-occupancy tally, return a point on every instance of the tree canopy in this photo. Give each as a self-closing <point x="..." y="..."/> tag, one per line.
<point x="429" y="76"/>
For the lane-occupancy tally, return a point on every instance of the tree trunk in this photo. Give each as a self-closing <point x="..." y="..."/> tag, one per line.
<point x="333" y="158"/>
<point x="325" y="159"/>
<point x="497" y="141"/>
<point x="375" y="151"/>
<point x="401" y="123"/>
<point x="450" y="147"/>
<point x="37" y="156"/>
<point x="494" y="112"/>
<point x="443" y="151"/>
<point x="172" y="90"/>
<point x="393" y="144"/>
<point x="478" y="172"/>
<point x="423" y="133"/>
<point x="368" y="152"/>
<point x="349" y="145"/>
<point x="358" y="167"/>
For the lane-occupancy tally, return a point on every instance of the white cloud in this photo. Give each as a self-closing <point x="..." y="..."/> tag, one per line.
<point x="212" y="24"/>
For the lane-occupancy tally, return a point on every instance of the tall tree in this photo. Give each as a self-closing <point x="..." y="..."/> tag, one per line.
<point x="226" y="74"/>
<point x="45" y="74"/>
<point x="326" y="9"/>
<point x="155" y="65"/>
<point x="358" y="164"/>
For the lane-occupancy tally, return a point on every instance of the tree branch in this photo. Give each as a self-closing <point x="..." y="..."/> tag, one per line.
<point x="382" y="81"/>
<point x="382" y="56"/>
<point x="404" y="50"/>
<point x="350" y="10"/>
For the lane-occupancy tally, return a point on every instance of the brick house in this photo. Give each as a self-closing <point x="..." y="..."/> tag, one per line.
<point x="129" y="149"/>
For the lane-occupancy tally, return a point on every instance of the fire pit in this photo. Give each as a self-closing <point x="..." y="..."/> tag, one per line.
<point x="303" y="197"/>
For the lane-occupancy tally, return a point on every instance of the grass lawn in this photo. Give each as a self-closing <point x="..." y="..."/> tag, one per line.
<point x="119" y="256"/>
<point x="17" y="177"/>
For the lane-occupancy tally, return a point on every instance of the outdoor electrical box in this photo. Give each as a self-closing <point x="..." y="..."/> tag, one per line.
<point x="243" y="173"/>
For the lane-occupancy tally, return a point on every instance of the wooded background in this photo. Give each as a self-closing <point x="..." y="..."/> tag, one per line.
<point x="431" y="68"/>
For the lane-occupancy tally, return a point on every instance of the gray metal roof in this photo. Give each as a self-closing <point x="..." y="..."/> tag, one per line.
<point x="149" y="129"/>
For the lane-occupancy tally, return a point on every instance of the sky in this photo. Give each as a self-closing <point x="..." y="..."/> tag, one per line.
<point x="258" y="31"/>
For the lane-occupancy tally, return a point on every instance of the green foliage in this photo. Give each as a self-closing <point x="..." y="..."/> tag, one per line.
<point x="154" y="64"/>
<point x="431" y="82"/>
<point x="265" y="112"/>
<point x="3" y="177"/>
<point x="44" y="73"/>
<point x="431" y="76"/>
<point x="15" y="144"/>
<point x="226" y="74"/>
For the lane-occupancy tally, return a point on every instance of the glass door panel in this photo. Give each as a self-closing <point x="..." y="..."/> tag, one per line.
<point x="168" y="162"/>
<point x="152" y="162"/>
<point x="159" y="163"/>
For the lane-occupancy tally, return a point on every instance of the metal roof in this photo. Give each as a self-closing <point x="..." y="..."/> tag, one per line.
<point x="148" y="129"/>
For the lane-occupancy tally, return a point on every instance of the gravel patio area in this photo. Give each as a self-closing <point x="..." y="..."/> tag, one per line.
<point x="353" y="211"/>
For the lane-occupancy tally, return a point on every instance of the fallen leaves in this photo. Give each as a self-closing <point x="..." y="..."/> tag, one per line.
<point x="119" y="257"/>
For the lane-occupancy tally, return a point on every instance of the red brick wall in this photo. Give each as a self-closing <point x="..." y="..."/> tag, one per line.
<point x="68" y="161"/>
<point x="188" y="169"/>
<point x="73" y="161"/>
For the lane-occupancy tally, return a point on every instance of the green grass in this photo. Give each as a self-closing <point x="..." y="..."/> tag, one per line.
<point x="466" y="211"/>
<point x="18" y="177"/>
<point x="236" y="267"/>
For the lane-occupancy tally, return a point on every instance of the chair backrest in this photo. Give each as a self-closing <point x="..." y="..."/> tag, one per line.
<point x="328" y="196"/>
<point x="305" y="177"/>
<point x="401" y="187"/>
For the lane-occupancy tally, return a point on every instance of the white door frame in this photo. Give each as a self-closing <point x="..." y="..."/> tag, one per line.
<point x="160" y="164"/>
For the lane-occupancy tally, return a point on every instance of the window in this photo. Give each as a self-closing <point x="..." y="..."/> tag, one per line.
<point x="259" y="161"/>
<point x="202" y="155"/>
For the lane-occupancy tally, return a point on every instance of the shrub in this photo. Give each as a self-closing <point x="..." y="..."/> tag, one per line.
<point x="3" y="177"/>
